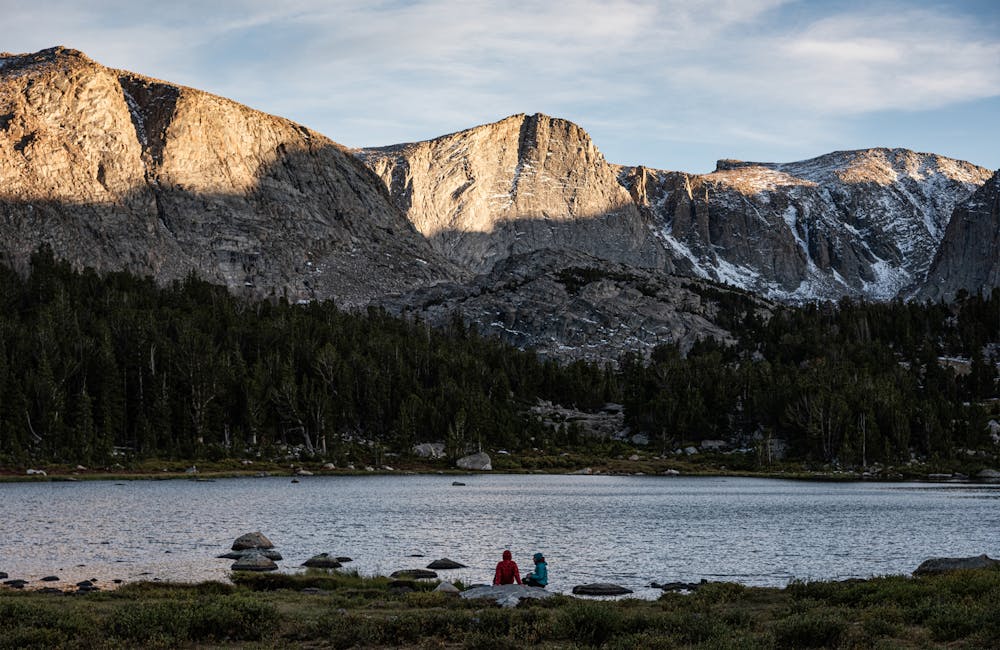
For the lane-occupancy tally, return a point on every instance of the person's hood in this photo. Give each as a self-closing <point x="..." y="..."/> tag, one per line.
<point x="538" y="557"/>
<point x="507" y="555"/>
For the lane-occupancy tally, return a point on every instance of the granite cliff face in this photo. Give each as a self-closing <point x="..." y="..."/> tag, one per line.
<point x="856" y="223"/>
<point x="526" y="183"/>
<point x="969" y="255"/>
<point x="114" y="170"/>
<point x="521" y="226"/>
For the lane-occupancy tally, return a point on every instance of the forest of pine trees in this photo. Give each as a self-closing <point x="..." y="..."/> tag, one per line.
<point x="95" y="367"/>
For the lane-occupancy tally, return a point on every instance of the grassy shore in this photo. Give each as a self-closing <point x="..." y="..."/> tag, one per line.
<point x="957" y="610"/>
<point x="547" y="462"/>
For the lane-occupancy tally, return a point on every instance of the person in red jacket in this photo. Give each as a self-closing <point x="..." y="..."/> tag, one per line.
<point x="507" y="571"/>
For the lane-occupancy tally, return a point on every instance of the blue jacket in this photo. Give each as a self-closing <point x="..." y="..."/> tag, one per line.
<point x="541" y="573"/>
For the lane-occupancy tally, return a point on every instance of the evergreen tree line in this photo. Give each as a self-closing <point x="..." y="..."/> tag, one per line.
<point x="853" y="382"/>
<point x="94" y="367"/>
<point x="97" y="366"/>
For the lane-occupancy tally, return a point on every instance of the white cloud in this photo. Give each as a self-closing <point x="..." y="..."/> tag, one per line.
<point x="674" y="71"/>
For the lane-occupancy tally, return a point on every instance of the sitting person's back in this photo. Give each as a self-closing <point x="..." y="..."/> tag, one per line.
<point x="507" y="572"/>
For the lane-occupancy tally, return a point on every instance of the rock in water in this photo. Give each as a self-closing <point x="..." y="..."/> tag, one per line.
<point x="600" y="589"/>
<point x="322" y="561"/>
<point x="445" y="563"/>
<point x="254" y="562"/>
<point x="945" y="564"/>
<point x="255" y="540"/>
<point x="50" y="579"/>
<point x="475" y="462"/>
<point x="270" y="554"/>
<point x="506" y="595"/>
<point x="413" y="574"/>
<point x="3" y="576"/>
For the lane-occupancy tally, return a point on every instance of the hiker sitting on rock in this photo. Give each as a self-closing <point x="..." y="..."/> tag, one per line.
<point x="507" y="571"/>
<point x="540" y="576"/>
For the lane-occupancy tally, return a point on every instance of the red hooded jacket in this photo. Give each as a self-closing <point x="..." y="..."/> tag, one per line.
<point x="507" y="571"/>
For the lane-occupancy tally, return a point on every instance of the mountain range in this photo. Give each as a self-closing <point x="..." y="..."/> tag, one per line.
<point x="520" y="227"/>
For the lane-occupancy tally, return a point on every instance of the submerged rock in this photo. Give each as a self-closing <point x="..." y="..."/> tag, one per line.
<point x="445" y="563"/>
<point x="252" y="540"/>
<point x="322" y="561"/>
<point x="254" y="562"/>
<point x="413" y="574"/>
<point x="505" y="595"/>
<point x="600" y="589"/>
<point x="944" y="564"/>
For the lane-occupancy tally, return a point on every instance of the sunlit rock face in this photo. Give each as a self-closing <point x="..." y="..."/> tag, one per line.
<point x="525" y="183"/>
<point x="854" y="223"/>
<point x="114" y="170"/>
<point x="969" y="256"/>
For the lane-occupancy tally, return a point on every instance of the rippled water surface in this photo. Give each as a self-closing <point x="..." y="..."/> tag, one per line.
<point x="627" y="530"/>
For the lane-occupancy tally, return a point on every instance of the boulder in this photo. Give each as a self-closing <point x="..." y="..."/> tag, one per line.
<point x="505" y="595"/>
<point x="343" y="559"/>
<point x="457" y="484"/>
<point x="270" y="554"/>
<point x="600" y="589"/>
<point x="429" y="450"/>
<point x="586" y="471"/>
<point x="16" y="584"/>
<point x="944" y="564"/>
<point x="3" y="576"/>
<point x="50" y="579"/>
<point x="413" y="574"/>
<point x="475" y="462"/>
<point x="322" y="561"/>
<point x="254" y="562"/>
<point x="252" y="540"/>
<point x="679" y="586"/>
<point x="447" y="588"/>
<point x="445" y="563"/>
<point x="988" y="474"/>
<point x="36" y="472"/>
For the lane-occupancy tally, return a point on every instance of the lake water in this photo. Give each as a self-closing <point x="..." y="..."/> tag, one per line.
<point x="626" y="530"/>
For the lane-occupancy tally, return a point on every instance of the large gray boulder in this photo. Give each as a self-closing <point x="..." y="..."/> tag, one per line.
<point x="254" y="540"/>
<point x="254" y="562"/>
<point x="600" y="589"/>
<point x="506" y="595"/>
<point x="479" y="462"/>
<point x="988" y="475"/>
<point x="944" y="564"/>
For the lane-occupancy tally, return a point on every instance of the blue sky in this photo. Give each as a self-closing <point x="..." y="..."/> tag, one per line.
<point x="674" y="84"/>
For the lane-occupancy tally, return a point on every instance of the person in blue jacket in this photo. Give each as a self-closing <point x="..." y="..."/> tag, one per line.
<point x="540" y="576"/>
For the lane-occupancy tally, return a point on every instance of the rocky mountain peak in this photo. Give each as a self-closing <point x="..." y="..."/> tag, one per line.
<point x="116" y="170"/>
<point x="524" y="183"/>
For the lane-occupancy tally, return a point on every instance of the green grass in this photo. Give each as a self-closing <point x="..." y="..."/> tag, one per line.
<point x="958" y="610"/>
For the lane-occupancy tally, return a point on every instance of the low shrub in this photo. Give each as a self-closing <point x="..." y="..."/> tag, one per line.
<point x="809" y="630"/>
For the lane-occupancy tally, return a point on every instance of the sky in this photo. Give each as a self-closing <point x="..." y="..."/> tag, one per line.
<point x="671" y="84"/>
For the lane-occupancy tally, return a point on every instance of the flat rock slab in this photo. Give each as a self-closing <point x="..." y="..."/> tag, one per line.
<point x="445" y="563"/>
<point x="413" y="574"/>
<point x="506" y="595"/>
<point x="600" y="589"/>
<point x="254" y="562"/>
<point x="252" y="540"/>
<point x="322" y="561"/>
<point x="270" y="554"/>
<point x="945" y="564"/>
